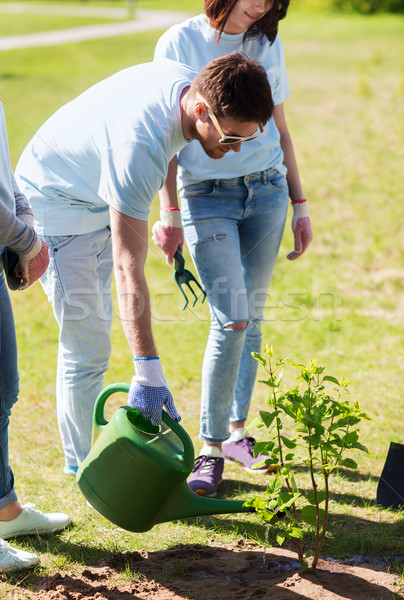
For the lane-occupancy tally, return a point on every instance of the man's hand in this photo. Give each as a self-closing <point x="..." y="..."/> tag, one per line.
<point x="301" y="227"/>
<point x="32" y="265"/>
<point x="149" y="392"/>
<point x="168" y="233"/>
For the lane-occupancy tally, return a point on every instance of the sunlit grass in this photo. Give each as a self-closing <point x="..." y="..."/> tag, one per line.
<point x="342" y="303"/>
<point x="11" y="24"/>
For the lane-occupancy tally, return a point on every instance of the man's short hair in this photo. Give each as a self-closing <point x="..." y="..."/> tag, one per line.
<point x="237" y="87"/>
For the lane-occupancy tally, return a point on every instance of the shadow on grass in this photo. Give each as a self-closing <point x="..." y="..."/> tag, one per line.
<point x="346" y="535"/>
<point x="348" y="474"/>
<point x="204" y="572"/>
<point x="231" y="487"/>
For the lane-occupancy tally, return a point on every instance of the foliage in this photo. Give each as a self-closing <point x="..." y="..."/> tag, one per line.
<point x="358" y="6"/>
<point x="323" y="429"/>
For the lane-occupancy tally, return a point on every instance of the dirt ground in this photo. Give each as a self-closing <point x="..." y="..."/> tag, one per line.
<point x="220" y="572"/>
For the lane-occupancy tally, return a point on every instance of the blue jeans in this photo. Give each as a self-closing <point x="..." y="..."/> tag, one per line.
<point x="78" y="285"/>
<point x="233" y="228"/>
<point x="9" y="388"/>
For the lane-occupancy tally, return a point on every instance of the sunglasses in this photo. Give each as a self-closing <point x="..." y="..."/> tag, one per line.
<point x="228" y="139"/>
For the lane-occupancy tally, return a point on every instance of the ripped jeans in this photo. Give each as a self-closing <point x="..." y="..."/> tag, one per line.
<point x="233" y="228"/>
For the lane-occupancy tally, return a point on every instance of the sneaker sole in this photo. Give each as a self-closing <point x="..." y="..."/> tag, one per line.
<point x="34" y="532"/>
<point x="203" y="493"/>
<point x="270" y="469"/>
<point x="17" y="567"/>
<point x="70" y="472"/>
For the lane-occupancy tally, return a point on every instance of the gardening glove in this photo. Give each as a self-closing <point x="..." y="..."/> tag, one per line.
<point x="168" y="233"/>
<point x="32" y="265"/>
<point x="27" y="218"/>
<point x="149" y="392"/>
<point x="301" y="228"/>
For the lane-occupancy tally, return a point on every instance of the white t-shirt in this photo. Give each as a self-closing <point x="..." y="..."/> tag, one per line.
<point x="194" y="42"/>
<point x="109" y="147"/>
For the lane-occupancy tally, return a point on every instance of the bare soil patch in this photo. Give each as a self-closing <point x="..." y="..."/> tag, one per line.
<point x="219" y="572"/>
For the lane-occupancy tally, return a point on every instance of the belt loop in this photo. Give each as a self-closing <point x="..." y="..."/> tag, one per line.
<point x="265" y="176"/>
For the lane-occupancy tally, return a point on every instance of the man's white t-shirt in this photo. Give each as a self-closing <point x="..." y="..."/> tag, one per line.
<point x="108" y="147"/>
<point x="194" y="43"/>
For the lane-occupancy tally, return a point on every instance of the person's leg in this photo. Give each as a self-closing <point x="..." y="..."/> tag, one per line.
<point x="9" y="506"/>
<point x="78" y="285"/>
<point x="261" y="232"/>
<point x="212" y="212"/>
<point x="14" y="518"/>
<point x="260" y="236"/>
<point x="211" y="215"/>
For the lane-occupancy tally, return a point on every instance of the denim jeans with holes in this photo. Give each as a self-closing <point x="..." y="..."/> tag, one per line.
<point x="233" y="229"/>
<point x="78" y="285"/>
<point x="9" y="388"/>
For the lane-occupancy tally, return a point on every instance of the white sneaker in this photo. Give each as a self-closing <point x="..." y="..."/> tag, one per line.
<point x="72" y="471"/>
<point x="13" y="559"/>
<point x="32" y="521"/>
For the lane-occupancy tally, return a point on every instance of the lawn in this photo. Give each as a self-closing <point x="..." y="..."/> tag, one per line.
<point x="342" y="303"/>
<point x="11" y="24"/>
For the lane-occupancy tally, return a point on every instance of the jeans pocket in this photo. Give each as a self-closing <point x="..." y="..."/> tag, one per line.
<point x="57" y="242"/>
<point x="277" y="181"/>
<point x="205" y="188"/>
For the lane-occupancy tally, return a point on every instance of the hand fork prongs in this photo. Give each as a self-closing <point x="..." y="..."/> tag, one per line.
<point x="184" y="278"/>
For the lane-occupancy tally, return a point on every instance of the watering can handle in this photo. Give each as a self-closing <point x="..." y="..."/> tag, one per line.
<point x="100" y="421"/>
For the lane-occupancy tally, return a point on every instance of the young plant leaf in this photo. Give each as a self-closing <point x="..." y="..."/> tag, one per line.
<point x="293" y="484"/>
<point x="268" y="417"/>
<point x="288" y="443"/>
<point x="349" y="463"/>
<point x="268" y="516"/>
<point x="321" y="496"/>
<point x="332" y="379"/>
<point x="263" y="448"/>
<point x="296" y="532"/>
<point x="274" y="487"/>
<point x="286" y="500"/>
<point x="360" y="447"/>
<point x="259" y="358"/>
<point x="309" y="514"/>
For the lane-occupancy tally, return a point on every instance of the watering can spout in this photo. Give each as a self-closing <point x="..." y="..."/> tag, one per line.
<point x="135" y="474"/>
<point x="183" y="503"/>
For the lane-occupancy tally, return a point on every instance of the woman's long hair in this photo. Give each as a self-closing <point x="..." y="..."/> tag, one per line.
<point x="218" y="12"/>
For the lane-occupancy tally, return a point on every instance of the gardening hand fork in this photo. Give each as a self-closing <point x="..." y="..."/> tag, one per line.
<point x="183" y="277"/>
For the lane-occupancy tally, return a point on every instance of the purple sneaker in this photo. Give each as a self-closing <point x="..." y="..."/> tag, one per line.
<point x="242" y="452"/>
<point x="206" y="475"/>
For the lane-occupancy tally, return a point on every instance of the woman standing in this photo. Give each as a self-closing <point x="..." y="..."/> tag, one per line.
<point x="16" y="233"/>
<point x="233" y="213"/>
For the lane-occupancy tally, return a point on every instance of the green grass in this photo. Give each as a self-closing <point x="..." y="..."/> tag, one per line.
<point x="192" y="6"/>
<point x="25" y="24"/>
<point x="342" y="303"/>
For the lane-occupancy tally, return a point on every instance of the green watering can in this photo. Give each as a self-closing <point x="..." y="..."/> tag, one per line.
<point x="135" y="474"/>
